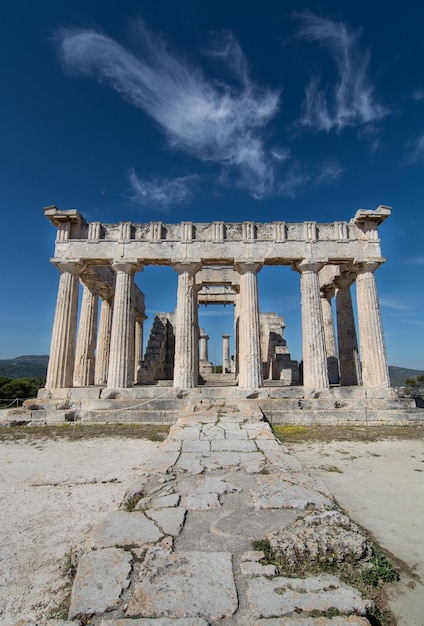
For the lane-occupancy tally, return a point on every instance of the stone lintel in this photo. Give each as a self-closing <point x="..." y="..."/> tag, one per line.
<point x="378" y="216"/>
<point x="57" y="216"/>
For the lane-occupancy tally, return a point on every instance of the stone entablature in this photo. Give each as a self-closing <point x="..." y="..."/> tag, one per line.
<point x="268" y="243"/>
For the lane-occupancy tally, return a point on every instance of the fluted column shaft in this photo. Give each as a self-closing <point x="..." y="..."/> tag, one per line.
<point x="138" y="345"/>
<point x="203" y="346"/>
<point x="226" y="361"/>
<point x="121" y="360"/>
<point x="315" y="374"/>
<point x="375" y="370"/>
<point x="62" y="348"/>
<point x="349" y="362"/>
<point x="250" y="361"/>
<point x="330" y="336"/>
<point x="186" y="366"/>
<point x="103" y="343"/>
<point x="87" y="333"/>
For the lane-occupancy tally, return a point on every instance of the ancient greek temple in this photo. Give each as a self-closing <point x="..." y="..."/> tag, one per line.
<point x="216" y="262"/>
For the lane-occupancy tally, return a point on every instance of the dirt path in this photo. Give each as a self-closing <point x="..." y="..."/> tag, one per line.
<point x="381" y="484"/>
<point x="51" y="494"/>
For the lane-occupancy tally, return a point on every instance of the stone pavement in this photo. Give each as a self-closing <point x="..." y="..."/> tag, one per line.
<point x="179" y="551"/>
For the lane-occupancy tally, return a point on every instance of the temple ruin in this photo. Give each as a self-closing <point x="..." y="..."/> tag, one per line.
<point x="216" y="262"/>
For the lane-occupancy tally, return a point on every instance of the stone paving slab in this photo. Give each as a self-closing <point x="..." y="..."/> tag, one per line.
<point x="218" y="482"/>
<point x="101" y="577"/>
<point x="283" y="596"/>
<point x="185" y="584"/>
<point x="120" y="528"/>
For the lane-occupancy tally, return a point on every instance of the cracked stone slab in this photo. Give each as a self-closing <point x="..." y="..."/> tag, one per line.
<point x="120" y="528"/>
<point x="101" y="577"/>
<point x="281" y="596"/>
<point x="199" y="446"/>
<point x="166" y="501"/>
<point x="341" y="620"/>
<point x="272" y="492"/>
<point x="233" y="445"/>
<point x="170" y="521"/>
<point x="190" y="462"/>
<point x="249" y="568"/>
<point x="185" y="584"/>
<point x="162" y="621"/>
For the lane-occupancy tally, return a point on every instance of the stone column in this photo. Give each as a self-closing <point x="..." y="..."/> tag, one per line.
<point x="87" y="334"/>
<point x="203" y="345"/>
<point x="62" y="348"/>
<point x="329" y="335"/>
<point x="349" y="363"/>
<point x="226" y="361"/>
<point x="138" y="345"/>
<point x="103" y="342"/>
<point x="375" y="370"/>
<point x="315" y="373"/>
<point x="186" y="366"/>
<point x="121" y="360"/>
<point x="250" y="361"/>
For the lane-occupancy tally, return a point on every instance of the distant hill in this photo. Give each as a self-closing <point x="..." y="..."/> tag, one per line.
<point x="35" y="366"/>
<point x="398" y="375"/>
<point x="28" y="366"/>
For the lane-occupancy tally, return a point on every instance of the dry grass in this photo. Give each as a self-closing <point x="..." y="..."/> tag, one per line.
<point x="75" y="431"/>
<point x="291" y="433"/>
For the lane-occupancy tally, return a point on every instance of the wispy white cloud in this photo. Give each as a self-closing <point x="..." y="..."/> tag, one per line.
<point x="418" y="94"/>
<point x="414" y="150"/>
<point x="416" y="260"/>
<point x="398" y="304"/>
<point x="300" y="177"/>
<point x="212" y="121"/>
<point x="161" y="193"/>
<point x="350" y="101"/>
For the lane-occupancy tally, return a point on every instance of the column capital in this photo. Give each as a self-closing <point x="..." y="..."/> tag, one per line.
<point x="129" y="266"/>
<point x="226" y="336"/>
<point x="73" y="266"/>
<point x="368" y="265"/>
<point x="248" y="266"/>
<point x="327" y="291"/>
<point x="189" y="266"/>
<point x="308" y="265"/>
<point x="345" y="280"/>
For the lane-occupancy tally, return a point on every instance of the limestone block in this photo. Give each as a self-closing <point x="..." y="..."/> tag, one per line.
<point x="186" y="584"/>
<point x="120" y="528"/>
<point x="100" y="579"/>
<point x="282" y="596"/>
<point x="272" y="492"/>
<point x="170" y="521"/>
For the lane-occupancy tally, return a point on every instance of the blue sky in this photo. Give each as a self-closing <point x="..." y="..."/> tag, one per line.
<point x="211" y="110"/>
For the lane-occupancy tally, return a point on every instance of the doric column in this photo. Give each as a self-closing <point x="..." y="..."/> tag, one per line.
<point x="375" y="370"/>
<point x="62" y="348"/>
<point x="186" y="366"/>
<point x="87" y="334"/>
<point x="121" y="360"/>
<point x="329" y="335"/>
<point x="349" y="363"/>
<point x="226" y="361"/>
<point x="203" y="345"/>
<point x="138" y="345"/>
<point x="250" y="361"/>
<point x="315" y="373"/>
<point x="103" y="342"/>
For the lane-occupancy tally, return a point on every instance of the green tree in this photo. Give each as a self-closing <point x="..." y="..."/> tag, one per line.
<point x="20" y="387"/>
<point x="415" y="386"/>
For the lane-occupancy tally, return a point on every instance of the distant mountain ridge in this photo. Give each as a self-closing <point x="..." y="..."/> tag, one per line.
<point x="35" y="366"/>
<point x="27" y="366"/>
